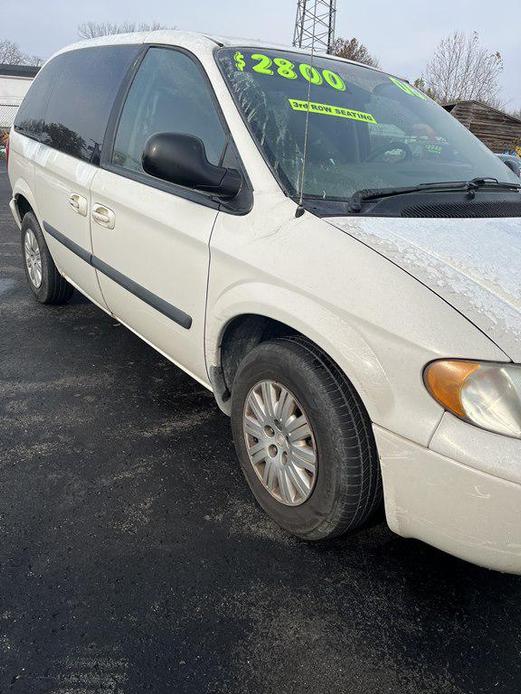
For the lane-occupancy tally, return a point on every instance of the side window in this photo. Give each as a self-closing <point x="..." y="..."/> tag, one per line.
<point x="30" y="116"/>
<point x="69" y="104"/>
<point x="169" y="94"/>
<point x="83" y="97"/>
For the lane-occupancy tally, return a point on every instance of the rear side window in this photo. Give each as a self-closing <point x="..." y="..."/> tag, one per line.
<point x="30" y="116"/>
<point x="169" y="94"/>
<point x="69" y="103"/>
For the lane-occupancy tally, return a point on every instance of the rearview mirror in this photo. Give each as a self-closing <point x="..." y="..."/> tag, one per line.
<point x="182" y="159"/>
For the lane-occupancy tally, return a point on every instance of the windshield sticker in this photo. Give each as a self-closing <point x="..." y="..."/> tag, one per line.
<point x="433" y="149"/>
<point x="330" y="110"/>
<point x="264" y="65"/>
<point x="240" y="63"/>
<point x="408" y="88"/>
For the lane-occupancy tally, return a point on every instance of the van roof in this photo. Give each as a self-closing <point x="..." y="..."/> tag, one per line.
<point x="192" y="41"/>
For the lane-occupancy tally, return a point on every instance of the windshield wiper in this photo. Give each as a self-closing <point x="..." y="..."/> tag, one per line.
<point x="368" y="194"/>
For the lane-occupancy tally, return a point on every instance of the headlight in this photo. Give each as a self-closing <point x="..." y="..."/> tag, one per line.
<point x="485" y="394"/>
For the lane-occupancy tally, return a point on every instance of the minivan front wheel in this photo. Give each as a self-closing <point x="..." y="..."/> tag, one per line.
<point x="44" y="280"/>
<point x="280" y="442"/>
<point x="304" y="440"/>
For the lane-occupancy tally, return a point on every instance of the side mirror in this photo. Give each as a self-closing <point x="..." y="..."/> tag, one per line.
<point x="181" y="159"/>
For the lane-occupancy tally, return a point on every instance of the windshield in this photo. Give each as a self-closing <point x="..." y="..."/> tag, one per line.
<point x="366" y="129"/>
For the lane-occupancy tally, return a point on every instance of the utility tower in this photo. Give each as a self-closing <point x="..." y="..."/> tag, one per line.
<point x="315" y="25"/>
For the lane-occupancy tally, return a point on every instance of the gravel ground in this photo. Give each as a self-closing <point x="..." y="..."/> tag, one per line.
<point x="133" y="559"/>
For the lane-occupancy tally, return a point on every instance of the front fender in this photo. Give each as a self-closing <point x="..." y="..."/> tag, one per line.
<point x="380" y="325"/>
<point x="333" y="334"/>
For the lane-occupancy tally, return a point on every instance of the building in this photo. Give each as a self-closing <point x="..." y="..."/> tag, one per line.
<point x="15" y="80"/>
<point x="500" y="131"/>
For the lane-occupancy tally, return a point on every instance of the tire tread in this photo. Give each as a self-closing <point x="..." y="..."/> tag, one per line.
<point x="362" y="499"/>
<point x="55" y="289"/>
<point x="358" y="486"/>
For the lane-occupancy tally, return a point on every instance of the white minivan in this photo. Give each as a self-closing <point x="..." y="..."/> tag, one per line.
<point x="316" y="242"/>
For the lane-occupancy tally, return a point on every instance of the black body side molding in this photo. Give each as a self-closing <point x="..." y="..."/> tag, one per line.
<point x="168" y="310"/>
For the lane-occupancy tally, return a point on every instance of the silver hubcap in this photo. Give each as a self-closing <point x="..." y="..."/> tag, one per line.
<point x="280" y="443"/>
<point x="33" y="258"/>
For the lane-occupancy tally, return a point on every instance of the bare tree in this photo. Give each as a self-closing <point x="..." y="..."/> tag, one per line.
<point x="462" y="69"/>
<point x="90" y="30"/>
<point x="34" y="60"/>
<point x="353" y="49"/>
<point x="420" y="84"/>
<point x="11" y="54"/>
<point x="495" y="102"/>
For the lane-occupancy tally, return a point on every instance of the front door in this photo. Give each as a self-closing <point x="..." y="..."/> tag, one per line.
<point x="151" y="238"/>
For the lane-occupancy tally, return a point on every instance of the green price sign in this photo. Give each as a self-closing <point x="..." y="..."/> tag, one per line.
<point x="408" y="88"/>
<point x="283" y="67"/>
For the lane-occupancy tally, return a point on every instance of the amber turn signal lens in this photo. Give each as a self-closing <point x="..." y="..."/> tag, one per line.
<point x="445" y="379"/>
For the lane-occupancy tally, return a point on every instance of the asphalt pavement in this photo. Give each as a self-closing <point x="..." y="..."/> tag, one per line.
<point x="133" y="558"/>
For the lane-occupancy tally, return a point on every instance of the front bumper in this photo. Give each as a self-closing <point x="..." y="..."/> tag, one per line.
<point x="470" y="507"/>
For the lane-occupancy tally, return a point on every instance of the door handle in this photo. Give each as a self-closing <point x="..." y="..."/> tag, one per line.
<point x="78" y="203"/>
<point x="104" y="216"/>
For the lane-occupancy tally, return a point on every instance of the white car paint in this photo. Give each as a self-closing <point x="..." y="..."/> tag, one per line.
<point x="473" y="266"/>
<point x="383" y="297"/>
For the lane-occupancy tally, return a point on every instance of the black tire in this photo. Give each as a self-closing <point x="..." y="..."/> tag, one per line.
<point x="348" y="488"/>
<point x="54" y="289"/>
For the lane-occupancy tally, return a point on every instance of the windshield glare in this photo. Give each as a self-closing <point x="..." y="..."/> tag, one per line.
<point x="366" y="129"/>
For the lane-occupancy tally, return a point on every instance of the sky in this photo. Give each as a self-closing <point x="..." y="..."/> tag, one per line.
<point x="402" y="34"/>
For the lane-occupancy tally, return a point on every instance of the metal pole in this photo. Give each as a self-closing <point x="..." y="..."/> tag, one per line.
<point x="315" y="24"/>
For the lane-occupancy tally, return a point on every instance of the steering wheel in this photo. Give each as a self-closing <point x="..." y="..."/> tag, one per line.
<point x="388" y="147"/>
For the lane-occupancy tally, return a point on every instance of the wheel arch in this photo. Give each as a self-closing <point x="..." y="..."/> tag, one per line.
<point x="22" y="205"/>
<point x="23" y="201"/>
<point x="239" y="336"/>
<point x="249" y="325"/>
